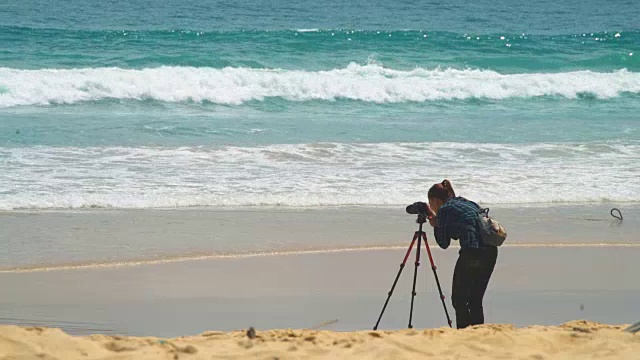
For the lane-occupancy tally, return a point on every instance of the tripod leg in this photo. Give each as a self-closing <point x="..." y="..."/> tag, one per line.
<point x="435" y="274"/>
<point x="415" y="237"/>
<point x="415" y="275"/>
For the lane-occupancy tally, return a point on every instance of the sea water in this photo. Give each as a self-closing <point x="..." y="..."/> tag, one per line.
<point x="139" y="104"/>
<point x="307" y="104"/>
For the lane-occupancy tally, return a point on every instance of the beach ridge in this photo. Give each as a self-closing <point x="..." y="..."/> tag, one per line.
<point x="576" y="339"/>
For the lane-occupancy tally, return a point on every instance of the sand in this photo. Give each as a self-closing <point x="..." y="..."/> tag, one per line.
<point x="37" y="239"/>
<point x="541" y="286"/>
<point x="573" y="340"/>
<point x="593" y="278"/>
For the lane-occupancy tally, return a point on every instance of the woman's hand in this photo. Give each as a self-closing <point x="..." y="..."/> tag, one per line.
<point x="430" y="212"/>
<point x="432" y="216"/>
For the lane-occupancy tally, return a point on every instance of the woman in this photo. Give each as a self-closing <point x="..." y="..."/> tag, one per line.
<point x="457" y="218"/>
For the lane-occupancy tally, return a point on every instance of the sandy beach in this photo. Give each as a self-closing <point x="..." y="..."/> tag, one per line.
<point x="531" y="286"/>
<point x="200" y="306"/>
<point x="175" y="173"/>
<point x="577" y="339"/>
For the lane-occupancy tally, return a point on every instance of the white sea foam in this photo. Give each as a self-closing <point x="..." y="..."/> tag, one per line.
<point x="310" y="175"/>
<point x="369" y="83"/>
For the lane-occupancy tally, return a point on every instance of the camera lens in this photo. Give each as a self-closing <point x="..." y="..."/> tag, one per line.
<point x="412" y="209"/>
<point x="416" y="208"/>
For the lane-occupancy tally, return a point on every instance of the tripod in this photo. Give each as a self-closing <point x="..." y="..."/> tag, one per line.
<point x="420" y="236"/>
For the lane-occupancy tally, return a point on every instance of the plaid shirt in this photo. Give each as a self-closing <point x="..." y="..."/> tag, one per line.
<point x="458" y="219"/>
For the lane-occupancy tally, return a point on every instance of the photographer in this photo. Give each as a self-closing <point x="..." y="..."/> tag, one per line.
<point x="457" y="218"/>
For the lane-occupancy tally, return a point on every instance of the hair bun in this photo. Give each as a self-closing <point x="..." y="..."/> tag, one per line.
<point x="441" y="191"/>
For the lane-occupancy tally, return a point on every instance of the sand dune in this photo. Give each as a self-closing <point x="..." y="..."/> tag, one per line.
<point x="578" y="339"/>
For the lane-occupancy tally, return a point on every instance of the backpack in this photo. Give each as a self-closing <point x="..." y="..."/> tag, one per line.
<point x="491" y="232"/>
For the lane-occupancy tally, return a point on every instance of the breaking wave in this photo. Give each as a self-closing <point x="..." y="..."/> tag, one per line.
<point x="236" y="85"/>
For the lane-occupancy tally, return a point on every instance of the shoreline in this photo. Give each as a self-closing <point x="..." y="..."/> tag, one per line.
<point x="53" y="239"/>
<point x="204" y="257"/>
<point x="292" y="208"/>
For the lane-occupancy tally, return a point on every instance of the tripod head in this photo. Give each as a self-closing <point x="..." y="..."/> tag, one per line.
<point x="421" y="219"/>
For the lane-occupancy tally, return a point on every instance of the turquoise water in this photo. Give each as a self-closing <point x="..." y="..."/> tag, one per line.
<point x="144" y="104"/>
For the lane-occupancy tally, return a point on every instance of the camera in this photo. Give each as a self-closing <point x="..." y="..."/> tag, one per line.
<point x="418" y="208"/>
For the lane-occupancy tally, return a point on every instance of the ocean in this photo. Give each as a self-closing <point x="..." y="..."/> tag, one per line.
<point x="251" y="106"/>
<point x="140" y="104"/>
<point x="170" y="167"/>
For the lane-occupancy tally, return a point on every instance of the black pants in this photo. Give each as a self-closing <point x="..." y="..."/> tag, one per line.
<point x="470" y="279"/>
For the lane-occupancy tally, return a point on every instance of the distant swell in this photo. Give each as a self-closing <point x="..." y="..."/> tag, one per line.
<point x="234" y="86"/>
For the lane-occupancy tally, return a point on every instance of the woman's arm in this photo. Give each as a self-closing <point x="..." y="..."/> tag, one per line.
<point x="441" y="228"/>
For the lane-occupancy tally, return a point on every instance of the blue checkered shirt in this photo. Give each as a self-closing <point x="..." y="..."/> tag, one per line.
<point x="458" y="219"/>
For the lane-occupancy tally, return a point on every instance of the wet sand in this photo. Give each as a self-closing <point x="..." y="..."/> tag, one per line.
<point x="531" y="286"/>
<point x="62" y="238"/>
